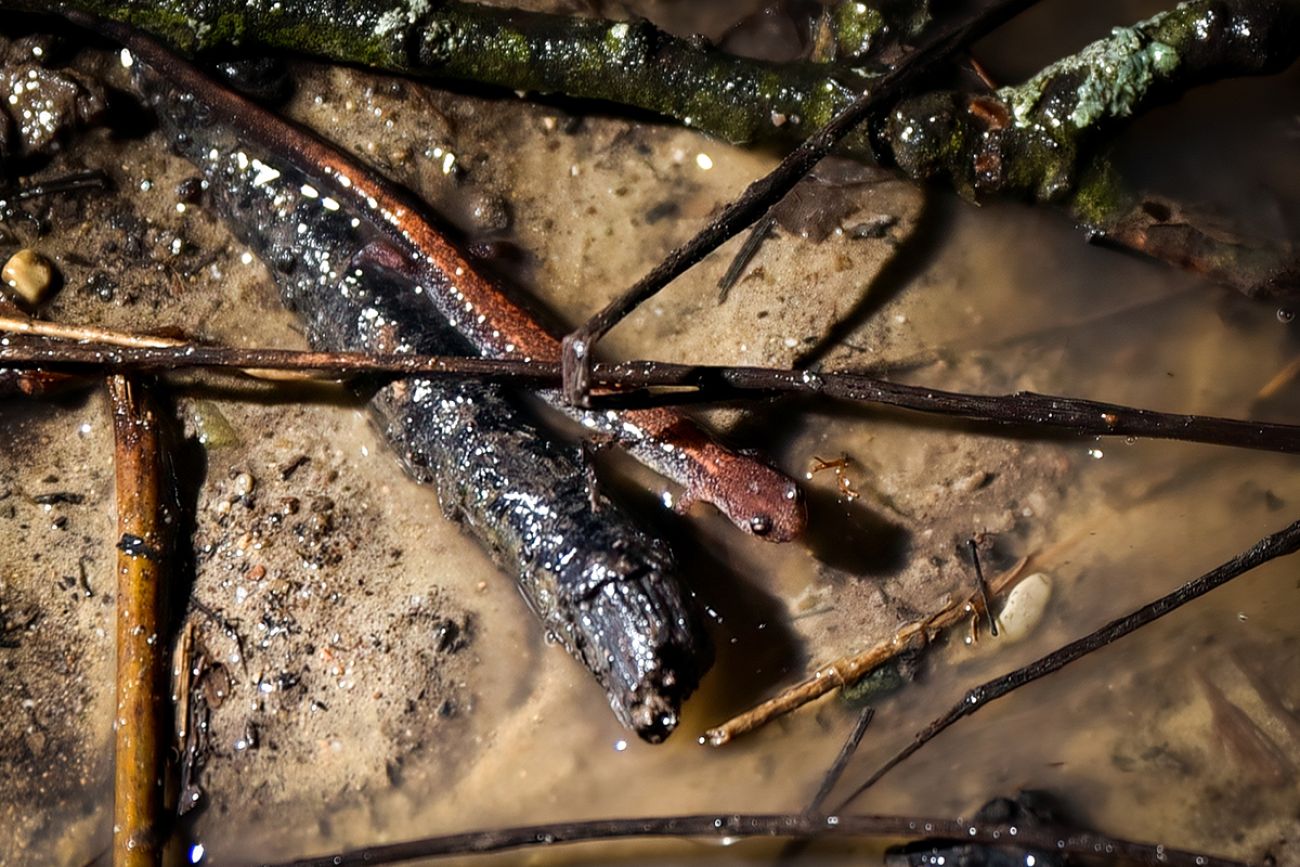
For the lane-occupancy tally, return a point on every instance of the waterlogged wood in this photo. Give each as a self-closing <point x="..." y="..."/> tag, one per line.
<point x="138" y="739"/>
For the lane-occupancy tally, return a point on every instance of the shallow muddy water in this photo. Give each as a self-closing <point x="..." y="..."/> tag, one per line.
<point x="372" y="677"/>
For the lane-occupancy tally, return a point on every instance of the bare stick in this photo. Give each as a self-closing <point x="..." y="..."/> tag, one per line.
<point x="768" y="190"/>
<point x="71" y="183"/>
<point x="795" y="848"/>
<point x="1279" y="544"/>
<point x="841" y="762"/>
<point x="19" y="324"/>
<point x="850" y="669"/>
<point x="1279" y="381"/>
<point x="1024" y="409"/>
<point x="760" y="825"/>
<point x="141" y="651"/>
<point x="982" y="587"/>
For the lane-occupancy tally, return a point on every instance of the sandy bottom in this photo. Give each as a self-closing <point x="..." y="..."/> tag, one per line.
<point x="369" y="676"/>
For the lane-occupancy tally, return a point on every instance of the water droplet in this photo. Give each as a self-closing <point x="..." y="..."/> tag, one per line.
<point x="1285" y="315"/>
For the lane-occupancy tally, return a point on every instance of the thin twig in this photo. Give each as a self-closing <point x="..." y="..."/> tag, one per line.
<point x="850" y="669"/>
<point x="139" y="739"/>
<point x="760" y="195"/>
<point x="1022" y="409"/>
<point x="761" y="825"/>
<point x="1279" y="380"/>
<point x="841" y="762"/>
<point x="795" y="848"/>
<point x="94" y="179"/>
<point x="1279" y="544"/>
<point x="20" y="324"/>
<point x="982" y="588"/>
<point x="748" y="249"/>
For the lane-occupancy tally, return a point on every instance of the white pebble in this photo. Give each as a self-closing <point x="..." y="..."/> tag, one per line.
<point x="1024" y="607"/>
<point x="244" y="483"/>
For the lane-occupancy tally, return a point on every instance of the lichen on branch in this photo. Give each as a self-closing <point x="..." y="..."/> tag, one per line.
<point x="1038" y="140"/>
<point x="1034" y="139"/>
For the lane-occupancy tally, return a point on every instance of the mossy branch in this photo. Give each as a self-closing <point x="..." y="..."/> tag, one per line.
<point x="1031" y="138"/>
<point x="631" y="63"/>
<point x="1037" y="140"/>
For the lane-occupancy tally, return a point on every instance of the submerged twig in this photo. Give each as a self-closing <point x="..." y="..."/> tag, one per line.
<point x="716" y="382"/>
<point x="735" y="825"/>
<point x="841" y="762"/>
<point x="1279" y="544"/>
<point x="94" y="179"/>
<point x="850" y="669"/>
<point x="795" y="848"/>
<point x="139" y="734"/>
<point x="982" y="588"/>
<point x="748" y="249"/>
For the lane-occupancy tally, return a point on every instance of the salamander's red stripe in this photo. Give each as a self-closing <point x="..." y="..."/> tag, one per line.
<point x="755" y="496"/>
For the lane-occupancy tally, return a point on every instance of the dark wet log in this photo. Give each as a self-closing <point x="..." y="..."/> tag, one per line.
<point x="601" y="587"/>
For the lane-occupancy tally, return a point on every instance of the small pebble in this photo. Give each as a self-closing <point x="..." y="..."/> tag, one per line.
<point x="1024" y="607"/>
<point x="211" y="427"/>
<point x="244" y="484"/>
<point x="30" y="275"/>
<point x="971" y="483"/>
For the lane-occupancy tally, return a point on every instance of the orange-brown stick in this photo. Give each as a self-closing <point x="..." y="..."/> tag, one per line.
<point x="138" y="742"/>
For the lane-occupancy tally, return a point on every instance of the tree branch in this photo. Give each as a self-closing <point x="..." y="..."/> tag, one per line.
<point x="1023" y="409"/>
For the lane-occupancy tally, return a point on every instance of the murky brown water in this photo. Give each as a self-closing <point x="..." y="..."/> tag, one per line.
<point x="349" y="720"/>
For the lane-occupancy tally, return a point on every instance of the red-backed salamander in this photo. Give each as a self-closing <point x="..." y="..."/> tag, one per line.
<point x="757" y="498"/>
<point x="603" y="588"/>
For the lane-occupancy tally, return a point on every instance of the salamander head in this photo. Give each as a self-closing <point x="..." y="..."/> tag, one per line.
<point x="762" y="501"/>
